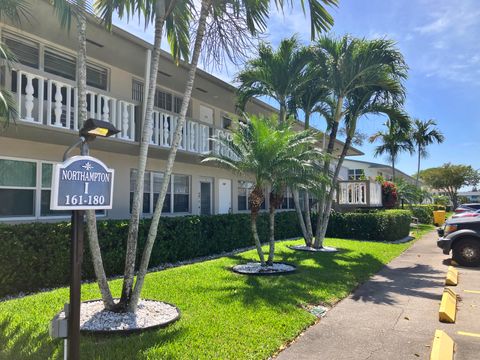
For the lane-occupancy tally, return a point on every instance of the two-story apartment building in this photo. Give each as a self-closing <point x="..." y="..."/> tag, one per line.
<point x="43" y="82"/>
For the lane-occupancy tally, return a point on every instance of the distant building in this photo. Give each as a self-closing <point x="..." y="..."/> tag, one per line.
<point x="471" y="196"/>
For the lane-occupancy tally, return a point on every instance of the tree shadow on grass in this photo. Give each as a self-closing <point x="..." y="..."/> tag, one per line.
<point x="320" y="278"/>
<point x="18" y="341"/>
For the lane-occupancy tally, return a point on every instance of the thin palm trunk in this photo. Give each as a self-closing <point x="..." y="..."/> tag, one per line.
<point x="326" y="169"/>
<point x="301" y="220"/>
<point x="152" y="233"/>
<point x="418" y="166"/>
<point x="271" y="242"/>
<point x="131" y="250"/>
<point x="393" y="168"/>
<point x="283" y="110"/>
<point x="82" y="115"/>
<point x="256" y="239"/>
<point x="322" y="222"/>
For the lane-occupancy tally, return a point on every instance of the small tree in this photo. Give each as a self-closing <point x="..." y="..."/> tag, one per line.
<point x="449" y="179"/>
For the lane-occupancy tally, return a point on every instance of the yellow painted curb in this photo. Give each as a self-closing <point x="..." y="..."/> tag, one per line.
<point x="468" y="334"/>
<point x="452" y="276"/>
<point x="448" y="306"/>
<point x="443" y="346"/>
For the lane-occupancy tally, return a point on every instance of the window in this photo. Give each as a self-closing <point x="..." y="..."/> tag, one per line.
<point x="26" y="52"/>
<point x="25" y="187"/>
<point x="137" y="90"/>
<point x="163" y="100"/>
<point x="60" y="64"/>
<point x="356" y="174"/>
<point x="97" y="76"/>
<point x="244" y="190"/>
<point x="288" y="202"/>
<point x="226" y="122"/>
<point x="179" y="203"/>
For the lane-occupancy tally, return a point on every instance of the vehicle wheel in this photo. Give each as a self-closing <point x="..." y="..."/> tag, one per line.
<point x="466" y="252"/>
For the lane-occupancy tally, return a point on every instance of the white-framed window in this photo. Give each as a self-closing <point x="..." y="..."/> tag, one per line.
<point x="55" y="61"/>
<point x="244" y="190"/>
<point x="288" y="203"/>
<point x="179" y="186"/>
<point x="356" y="174"/>
<point x="25" y="187"/>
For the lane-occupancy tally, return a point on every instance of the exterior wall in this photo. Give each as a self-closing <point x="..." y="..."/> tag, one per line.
<point x="26" y="150"/>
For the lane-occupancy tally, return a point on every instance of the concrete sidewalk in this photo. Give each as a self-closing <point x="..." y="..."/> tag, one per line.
<point x="395" y="314"/>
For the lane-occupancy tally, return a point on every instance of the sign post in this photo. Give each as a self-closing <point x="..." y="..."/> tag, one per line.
<point x="79" y="183"/>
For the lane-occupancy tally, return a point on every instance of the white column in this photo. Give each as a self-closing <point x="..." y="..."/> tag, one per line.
<point x="58" y="105"/>
<point x="29" y="98"/>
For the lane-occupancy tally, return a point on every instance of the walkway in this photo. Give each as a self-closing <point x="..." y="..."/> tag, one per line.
<point x="394" y="315"/>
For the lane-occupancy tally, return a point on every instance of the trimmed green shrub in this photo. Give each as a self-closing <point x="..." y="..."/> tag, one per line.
<point x="37" y="255"/>
<point x="386" y="225"/>
<point x="424" y="214"/>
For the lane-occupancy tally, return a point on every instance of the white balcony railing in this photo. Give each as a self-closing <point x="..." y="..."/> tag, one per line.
<point x="51" y="102"/>
<point x="48" y="100"/>
<point x="359" y="193"/>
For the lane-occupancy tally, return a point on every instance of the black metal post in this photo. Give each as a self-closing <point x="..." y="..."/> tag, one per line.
<point x="76" y="258"/>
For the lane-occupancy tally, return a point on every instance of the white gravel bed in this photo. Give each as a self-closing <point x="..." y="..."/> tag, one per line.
<point x="93" y="316"/>
<point x="258" y="269"/>
<point x="312" y="249"/>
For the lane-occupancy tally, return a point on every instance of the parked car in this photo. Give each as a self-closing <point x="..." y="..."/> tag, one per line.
<point x="466" y="214"/>
<point x="467" y="207"/>
<point x="461" y="236"/>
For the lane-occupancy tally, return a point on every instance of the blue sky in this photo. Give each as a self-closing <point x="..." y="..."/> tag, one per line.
<point x="440" y="41"/>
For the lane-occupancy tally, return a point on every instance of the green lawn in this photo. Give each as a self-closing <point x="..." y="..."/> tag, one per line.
<point x="224" y="315"/>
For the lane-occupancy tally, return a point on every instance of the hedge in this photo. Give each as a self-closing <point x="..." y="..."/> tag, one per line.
<point x="387" y="225"/>
<point x="36" y="255"/>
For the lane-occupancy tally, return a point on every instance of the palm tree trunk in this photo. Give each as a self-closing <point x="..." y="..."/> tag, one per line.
<point x="271" y="242"/>
<point x="326" y="166"/>
<point x="303" y="227"/>
<point x="283" y="111"/>
<point x="418" y="167"/>
<point x="393" y="169"/>
<point x="258" y="244"/>
<point x="152" y="233"/>
<point x="131" y="250"/>
<point x="323" y="223"/>
<point x="307" y="120"/>
<point x="82" y="116"/>
<point x="308" y="218"/>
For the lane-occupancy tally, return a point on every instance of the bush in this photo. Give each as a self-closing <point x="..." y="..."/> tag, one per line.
<point x="389" y="194"/>
<point x="37" y="255"/>
<point x="423" y="214"/>
<point x="387" y="225"/>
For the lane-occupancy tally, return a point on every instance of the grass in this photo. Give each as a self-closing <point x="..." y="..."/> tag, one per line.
<point x="224" y="315"/>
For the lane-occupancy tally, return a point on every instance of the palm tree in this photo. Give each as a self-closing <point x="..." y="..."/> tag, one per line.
<point x="365" y="76"/>
<point x="274" y="154"/>
<point x="274" y="73"/>
<point x="394" y="141"/>
<point x="310" y="96"/>
<point x="176" y="14"/>
<point x="15" y="11"/>
<point x="253" y="16"/>
<point x="424" y="133"/>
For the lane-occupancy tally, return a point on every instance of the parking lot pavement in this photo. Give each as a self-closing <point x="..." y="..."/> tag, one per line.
<point x="394" y="315"/>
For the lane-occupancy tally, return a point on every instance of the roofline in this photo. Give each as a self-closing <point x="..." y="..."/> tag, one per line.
<point x="381" y="166"/>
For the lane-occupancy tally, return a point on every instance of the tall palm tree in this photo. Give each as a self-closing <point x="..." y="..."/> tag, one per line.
<point x="253" y="14"/>
<point x="362" y="75"/>
<point x="176" y="15"/>
<point x="14" y="11"/>
<point x="424" y="133"/>
<point x="274" y="73"/>
<point x="275" y="155"/>
<point x="310" y="96"/>
<point x="395" y="140"/>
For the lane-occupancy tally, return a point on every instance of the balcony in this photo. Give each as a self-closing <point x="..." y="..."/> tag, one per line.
<point x="51" y="101"/>
<point x="359" y="193"/>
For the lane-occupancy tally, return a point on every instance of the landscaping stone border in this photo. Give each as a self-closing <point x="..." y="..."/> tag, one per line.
<point x="237" y="269"/>
<point x="136" y="330"/>
<point x="325" y="249"/>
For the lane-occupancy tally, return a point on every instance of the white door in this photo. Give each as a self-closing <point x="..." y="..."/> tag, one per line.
<point x="224" y="196"/>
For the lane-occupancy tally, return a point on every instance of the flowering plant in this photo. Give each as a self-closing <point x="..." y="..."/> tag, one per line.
<point x="389" y="194"/>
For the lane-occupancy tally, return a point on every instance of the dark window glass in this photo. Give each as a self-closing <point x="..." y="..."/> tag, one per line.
<point x="181" y="193"/>
<point x="242" y="202"/>
<point x="137" y="90"/>
<point x="59" y="64"/>
<point x="17" y="202"/>
<point x="97" y="77"/>
<point x="45" y="206"/>
<point x="26" y="52"/>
